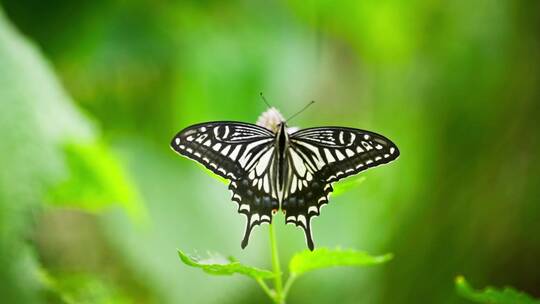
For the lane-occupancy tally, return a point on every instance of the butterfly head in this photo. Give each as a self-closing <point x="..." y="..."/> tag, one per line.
<point x="271" y="119"/>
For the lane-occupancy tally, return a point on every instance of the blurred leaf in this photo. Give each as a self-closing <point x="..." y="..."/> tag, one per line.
<point x="81" y="288"/>
<point x="324" y="258"/>
<point x="491" y="295"/>
<point x="348" y="184"/>
<point x="96" y="181"/>
<point x="219" y="265"/>
<point x="36" y="117"/>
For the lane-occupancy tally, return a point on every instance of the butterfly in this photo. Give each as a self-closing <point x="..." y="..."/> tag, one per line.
<point x="274" y="167"/>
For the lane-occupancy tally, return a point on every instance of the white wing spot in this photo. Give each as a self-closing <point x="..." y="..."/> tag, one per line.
<point x="201" y="138"/>
<point x="339" y="155"/>
<point x="312" y="209"/>
<point x="207" y="143"/>
<point x="234" y="153"/>
<point x="266" y="184"/>
<point x="353" y="137"/>
<point x="366" y="136"/>
<point x="298" y="164"/>
<point x="378" y="147"/>
<point x="255" y="217"/>
<point x="203" y="129"/>
<point x="392" y="149"/>
<point x="190" y="138"/>
<point x="263" y="161"/>
<point x="349" y="152"/>
<point x="226" y="150"/>
<point x="329" y="156"/>
<point x="302" y="219"/>
<point x="359" y="150"/>
<point x="177" y="140"/>
<point x="216" y="147"/>
<point x="367" y="146"/>
<point x="226" y="132"/>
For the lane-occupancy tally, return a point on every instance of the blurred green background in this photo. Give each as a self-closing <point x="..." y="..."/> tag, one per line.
<point x="93" y="203"/>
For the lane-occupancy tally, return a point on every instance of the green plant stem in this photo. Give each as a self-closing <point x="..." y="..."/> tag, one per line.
<point x="278" y="284"/>
<point x="266" y="289"/>
<point x="288" y="285"/>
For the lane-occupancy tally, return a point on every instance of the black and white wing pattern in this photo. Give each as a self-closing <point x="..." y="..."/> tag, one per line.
<point x="242" y="153"/>
<point x="319" y="156"/>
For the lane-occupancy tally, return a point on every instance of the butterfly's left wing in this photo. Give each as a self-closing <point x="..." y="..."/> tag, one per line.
<point x="319" y="156"/>
<point x="242" y="153"/>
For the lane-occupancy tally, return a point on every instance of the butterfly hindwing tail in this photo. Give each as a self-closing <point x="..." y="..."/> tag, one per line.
<point x="301" y="206"/>
<point x="255" y="204"/>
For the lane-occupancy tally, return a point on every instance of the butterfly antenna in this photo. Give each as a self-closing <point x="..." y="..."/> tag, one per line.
<point x="303" y="109"/>
<point x="264" y="100"/>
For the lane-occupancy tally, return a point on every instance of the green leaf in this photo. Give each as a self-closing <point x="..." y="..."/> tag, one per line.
<point x="323" y="258"/>
<point x="218" y="265"/>
<point x="81" y="288"/>
<point x="36" y="117"/>
<point x="492" y="295"/>
<point x="348" y="184"/>
<point x="96" y="181"/>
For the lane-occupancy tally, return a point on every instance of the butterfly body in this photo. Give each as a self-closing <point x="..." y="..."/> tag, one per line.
<point x="271" y="168"/>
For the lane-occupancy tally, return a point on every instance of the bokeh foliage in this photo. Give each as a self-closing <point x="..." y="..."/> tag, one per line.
<point x="91" y="92"/>
<point x="491" y="295"/>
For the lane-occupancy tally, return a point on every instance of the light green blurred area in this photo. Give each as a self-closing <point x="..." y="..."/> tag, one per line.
<point x="94" y="204"/>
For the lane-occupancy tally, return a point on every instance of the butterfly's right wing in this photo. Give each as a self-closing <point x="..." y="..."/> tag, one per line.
<point x="242" y="153"/>
<point x="320" y="156"/>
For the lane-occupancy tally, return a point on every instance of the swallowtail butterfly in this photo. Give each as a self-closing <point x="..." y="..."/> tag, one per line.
<point x="271" y="166"/>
